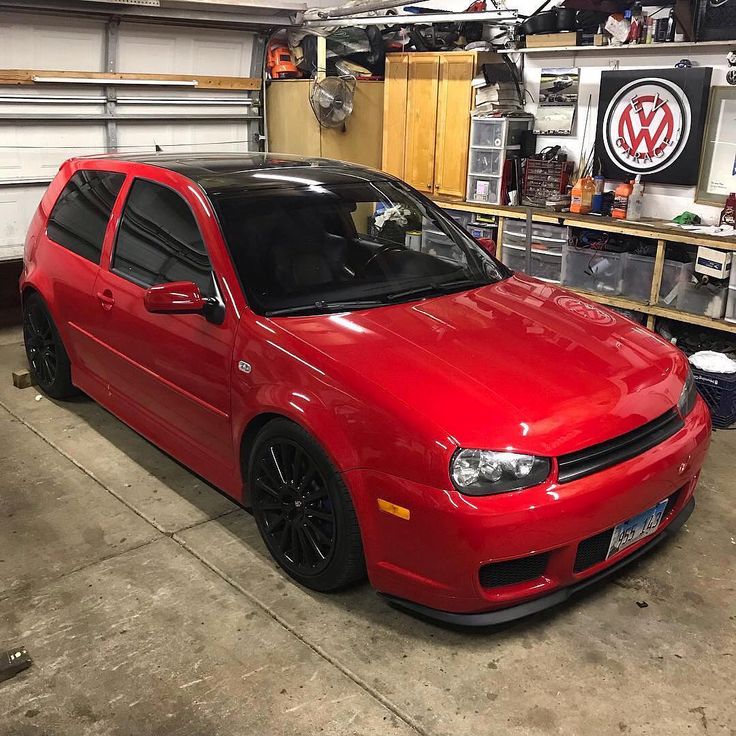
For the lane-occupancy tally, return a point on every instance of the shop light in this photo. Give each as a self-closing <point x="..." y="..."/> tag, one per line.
<point x="116" y="81"/>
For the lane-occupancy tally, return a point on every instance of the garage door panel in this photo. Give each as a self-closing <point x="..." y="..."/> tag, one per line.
<point x="50" y="42"/>
<point x="183" y="137"/>
<point x="31" y="149"/>
<point x="37" y="150"/>
<point x="17" y="205"/>
<point x="184" y="51"/>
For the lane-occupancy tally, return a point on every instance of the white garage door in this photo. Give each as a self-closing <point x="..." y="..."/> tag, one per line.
<point x="43" y="124"/>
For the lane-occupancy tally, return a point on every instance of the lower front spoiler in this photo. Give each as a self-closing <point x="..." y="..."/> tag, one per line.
<point x="504" y="615"/>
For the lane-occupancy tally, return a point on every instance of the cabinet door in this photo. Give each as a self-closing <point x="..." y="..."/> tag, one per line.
<point x="421" y="121"/>
<point x="453" y="125"/>
<point x="394" y="114"/>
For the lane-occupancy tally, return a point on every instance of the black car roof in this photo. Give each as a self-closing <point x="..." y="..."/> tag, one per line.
<point x="224" y="172"/>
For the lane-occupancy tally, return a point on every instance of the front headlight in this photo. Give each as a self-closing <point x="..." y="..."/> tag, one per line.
<point x="686" y="402"/>
<point x="484" y="472"/>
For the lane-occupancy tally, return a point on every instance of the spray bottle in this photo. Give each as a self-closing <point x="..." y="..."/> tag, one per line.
<point x="636" y="200"/>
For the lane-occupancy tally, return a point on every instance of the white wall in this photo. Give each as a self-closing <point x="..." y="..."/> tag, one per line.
<point x="664" y="201"/>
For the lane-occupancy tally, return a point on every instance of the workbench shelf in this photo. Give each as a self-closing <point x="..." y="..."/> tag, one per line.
<point x="660" y="231"/>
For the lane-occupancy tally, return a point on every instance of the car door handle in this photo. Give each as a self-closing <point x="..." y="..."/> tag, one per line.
<point x="106" y="299"/>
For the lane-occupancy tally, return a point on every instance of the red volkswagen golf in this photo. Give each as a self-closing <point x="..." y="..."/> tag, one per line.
<point x="326" y="346"/>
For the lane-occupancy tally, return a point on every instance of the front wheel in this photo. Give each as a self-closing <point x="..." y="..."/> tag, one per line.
<point x="47" y="358"/>
<point x="303" y="509"/>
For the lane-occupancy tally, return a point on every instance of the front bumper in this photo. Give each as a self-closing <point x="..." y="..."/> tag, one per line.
<point x="433" y="559"/>
<point x="505" y="615"/>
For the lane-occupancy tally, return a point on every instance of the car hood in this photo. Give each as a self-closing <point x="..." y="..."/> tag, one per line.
<point x="519" y="365"/>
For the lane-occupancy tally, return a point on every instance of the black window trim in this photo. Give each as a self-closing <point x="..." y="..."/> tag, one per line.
<point x="109" y="218"/>
<point x="138" y="282"/>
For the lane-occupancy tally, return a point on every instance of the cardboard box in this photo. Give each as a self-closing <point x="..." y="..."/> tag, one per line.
<point x="545" y="40"/>
<point x="713" y="263"/>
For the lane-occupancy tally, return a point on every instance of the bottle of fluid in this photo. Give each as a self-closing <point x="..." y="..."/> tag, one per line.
<point x="636" y="200"/>
<point x="599" y="182"/>
<point x="621" y="200"/>
<point x="581" y="196"/>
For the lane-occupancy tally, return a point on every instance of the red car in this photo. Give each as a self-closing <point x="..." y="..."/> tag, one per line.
<point x="329" y="348"/>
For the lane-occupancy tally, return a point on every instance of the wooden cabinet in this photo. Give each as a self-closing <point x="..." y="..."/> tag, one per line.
<point x="426" y="119"/>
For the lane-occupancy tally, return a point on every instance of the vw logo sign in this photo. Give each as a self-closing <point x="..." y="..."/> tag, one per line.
<point x="646" y="125"/>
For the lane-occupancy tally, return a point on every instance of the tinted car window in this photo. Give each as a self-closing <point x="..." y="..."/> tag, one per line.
<point x="159" y="241"/>
<point x="313" y="248"/>
<point x="80" y="216"/>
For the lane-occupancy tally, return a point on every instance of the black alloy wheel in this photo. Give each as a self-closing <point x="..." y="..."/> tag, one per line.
<point x="303" y="510"/>
<point x="47" y="358"/>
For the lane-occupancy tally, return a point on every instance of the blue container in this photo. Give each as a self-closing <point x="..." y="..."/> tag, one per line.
<point x="719" y="392"/>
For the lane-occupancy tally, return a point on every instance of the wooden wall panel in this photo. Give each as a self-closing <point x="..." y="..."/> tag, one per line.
<point x="292" y="127"/>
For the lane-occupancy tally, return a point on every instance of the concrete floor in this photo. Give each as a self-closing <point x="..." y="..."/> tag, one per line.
<point x="150" y="606"/>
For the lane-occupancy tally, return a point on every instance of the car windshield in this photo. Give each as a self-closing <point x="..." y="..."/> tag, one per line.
<point x="323" y="248"/>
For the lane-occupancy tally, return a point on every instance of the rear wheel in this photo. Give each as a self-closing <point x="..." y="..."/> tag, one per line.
<point x="303" y="509"/>
<point x="47" y="358"/>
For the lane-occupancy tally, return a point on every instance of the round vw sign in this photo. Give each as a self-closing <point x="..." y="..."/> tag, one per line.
<point x="646" y="125"/>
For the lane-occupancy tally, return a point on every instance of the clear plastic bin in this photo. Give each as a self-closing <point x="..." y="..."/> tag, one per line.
<point x="731" y="304"/>
<point x="674" y="274"/>
<point x="487" y="133"/>
<point x="432" y="238"/>
<point x="484" y="189"/>
<point x="485" y="162"/>
<point x="592" y="270"/>
<point x="461" y="218"/>
<point x="514" y="259"/>
<point x="637" y="275"/>
<point x="546" y="267"/>
<point x="708" y="300"/>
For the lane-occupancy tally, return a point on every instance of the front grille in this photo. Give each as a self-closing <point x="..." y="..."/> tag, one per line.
<point x="520" y="570"/>
<point x="594" y="549"/>
<point x="612" y="452"/>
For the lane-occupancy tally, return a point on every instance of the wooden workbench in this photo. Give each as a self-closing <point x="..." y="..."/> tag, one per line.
<point x="660" y="231"/>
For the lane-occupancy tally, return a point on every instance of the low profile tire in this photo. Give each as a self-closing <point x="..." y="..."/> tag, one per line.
<point x="303" y="509"/>
<point x="47" y="358"/>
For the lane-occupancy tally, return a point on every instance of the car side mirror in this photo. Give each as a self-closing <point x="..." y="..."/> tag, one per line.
<point x="182" y="297"/>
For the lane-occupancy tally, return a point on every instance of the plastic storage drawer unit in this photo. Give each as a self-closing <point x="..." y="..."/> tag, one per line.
<point x="545" y="238"/>
<point x="636" y="277"/>
<point x="546" y="267"/>
<point x="592" y="270"/>
<point x="514" y="259"/>
<point x="485" y="162"/>
<point x="484" y="189"/>
<point x="487" y="133"/>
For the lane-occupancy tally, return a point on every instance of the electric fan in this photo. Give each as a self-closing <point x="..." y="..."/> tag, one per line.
<point x="332" y="100"/>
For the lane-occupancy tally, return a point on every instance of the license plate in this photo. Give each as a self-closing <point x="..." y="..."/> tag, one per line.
<point x="631" y="531"/>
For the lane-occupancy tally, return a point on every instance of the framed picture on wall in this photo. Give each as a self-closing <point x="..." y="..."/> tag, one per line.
<point x="651" y="122"/>
<point x="718" y="161"/>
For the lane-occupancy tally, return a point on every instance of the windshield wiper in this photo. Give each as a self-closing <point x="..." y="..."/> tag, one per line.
<point x="441" y="287"/>
<point x="323" y="306"/>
